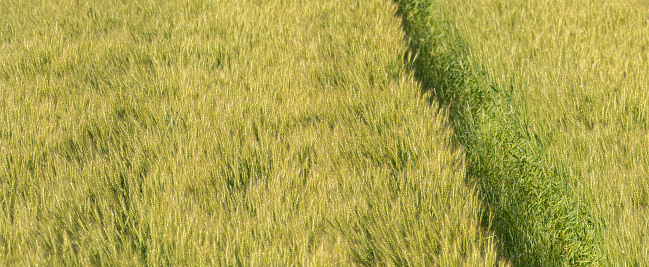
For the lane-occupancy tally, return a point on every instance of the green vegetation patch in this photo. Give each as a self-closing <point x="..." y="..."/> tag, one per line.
<point x="533" y="211"/>
<point x="579" y="75"/>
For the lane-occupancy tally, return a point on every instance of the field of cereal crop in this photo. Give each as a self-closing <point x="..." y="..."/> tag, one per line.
<point x="338" y="132"/>
<point x="224" y="133"/>
<point x="571" y="76"/>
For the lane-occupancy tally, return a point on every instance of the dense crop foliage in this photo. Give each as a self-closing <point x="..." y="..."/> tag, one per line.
<point x="534" y="214"/>
<point x="295" y="132"/>
<point x="580" y="76"/>
<point x="576" y="74"/>
<point x="192" y="133"/>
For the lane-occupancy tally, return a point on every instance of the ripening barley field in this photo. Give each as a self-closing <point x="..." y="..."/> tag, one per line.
<point x="191" y="133"/>
<point x="577" y="72"/>
<point x="337" y="132"/>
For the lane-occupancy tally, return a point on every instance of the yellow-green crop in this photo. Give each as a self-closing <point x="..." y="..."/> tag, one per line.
<point x="192" y="133"/>
<point x="577" y="72"/>
<point x="535" y="216"/>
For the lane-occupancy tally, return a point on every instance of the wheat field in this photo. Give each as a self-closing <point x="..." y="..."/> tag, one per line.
<point x="326" y="133"/>
<point x="279" y="132"/>
<point x="578" y="73"/>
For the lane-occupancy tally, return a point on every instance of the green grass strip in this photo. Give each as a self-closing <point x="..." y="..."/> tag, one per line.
<point x="533" y="212"/>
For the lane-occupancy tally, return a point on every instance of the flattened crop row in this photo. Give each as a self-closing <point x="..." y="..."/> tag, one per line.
<point x="535" y="217"/>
